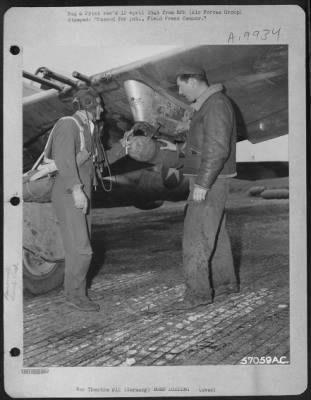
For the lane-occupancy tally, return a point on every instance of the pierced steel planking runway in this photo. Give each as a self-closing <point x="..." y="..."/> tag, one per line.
<point x="139" y="276"/>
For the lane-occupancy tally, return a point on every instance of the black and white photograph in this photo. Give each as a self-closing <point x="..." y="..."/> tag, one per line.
<point x="155" y="212"/>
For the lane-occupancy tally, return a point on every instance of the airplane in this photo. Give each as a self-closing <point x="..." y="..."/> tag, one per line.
<point x="143" y="96"/>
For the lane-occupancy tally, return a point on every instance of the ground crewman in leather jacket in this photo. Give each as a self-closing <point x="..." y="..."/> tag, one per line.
<point x="209" y="163"/>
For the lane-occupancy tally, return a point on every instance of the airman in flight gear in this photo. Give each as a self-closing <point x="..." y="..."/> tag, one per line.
<point x="71" y="199"/>
<point x="71" y="196"/>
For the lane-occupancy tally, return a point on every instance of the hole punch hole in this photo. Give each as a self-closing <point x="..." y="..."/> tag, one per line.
<point x="15" y="201"/>
<point x="15" y="352"/>
<point x="14" y="50"/>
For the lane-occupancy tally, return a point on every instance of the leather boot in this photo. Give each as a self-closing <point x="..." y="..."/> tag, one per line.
<point x="227" y="289"/>
<point x="82" y="303"/>
<point x="191" y="302"/>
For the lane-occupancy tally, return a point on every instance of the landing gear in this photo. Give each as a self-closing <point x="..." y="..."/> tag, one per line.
<point x="40" y="276"/>
<point x="43" y="252"/>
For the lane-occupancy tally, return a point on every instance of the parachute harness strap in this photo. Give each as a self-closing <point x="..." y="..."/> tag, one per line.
<point x="99" y="156"/>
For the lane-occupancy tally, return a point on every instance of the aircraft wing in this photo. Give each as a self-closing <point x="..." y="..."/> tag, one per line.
<point x="255" y="78"/>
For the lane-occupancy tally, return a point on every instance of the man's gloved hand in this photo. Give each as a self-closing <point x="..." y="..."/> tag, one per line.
<point x="128" y="135"/>
<point x="168" y="145"/>
<point x="80" y="198"/>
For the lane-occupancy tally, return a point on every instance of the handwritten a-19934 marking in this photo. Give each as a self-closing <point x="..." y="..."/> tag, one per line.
<point x="263" y="34"/>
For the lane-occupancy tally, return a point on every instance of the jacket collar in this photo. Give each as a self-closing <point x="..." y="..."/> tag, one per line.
<point x="218" y="87"/>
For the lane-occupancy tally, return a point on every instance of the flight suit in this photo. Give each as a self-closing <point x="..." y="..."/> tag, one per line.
<point x="75" y="226"/>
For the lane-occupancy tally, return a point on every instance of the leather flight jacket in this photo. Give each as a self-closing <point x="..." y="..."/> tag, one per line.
<point x="211" y="144"/>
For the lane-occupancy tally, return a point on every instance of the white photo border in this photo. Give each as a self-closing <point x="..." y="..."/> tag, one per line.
<point x="50" y="24"/>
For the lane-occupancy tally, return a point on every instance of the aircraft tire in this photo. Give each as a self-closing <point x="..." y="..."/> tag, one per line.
<point x="39" y="278"/>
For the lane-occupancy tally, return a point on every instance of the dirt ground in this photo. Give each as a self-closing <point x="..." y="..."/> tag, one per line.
<point x="136" y="275"/>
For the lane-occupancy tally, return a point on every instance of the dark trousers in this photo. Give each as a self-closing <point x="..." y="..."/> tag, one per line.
<point x="75" y="228"/>
<point x="207" y="255"/>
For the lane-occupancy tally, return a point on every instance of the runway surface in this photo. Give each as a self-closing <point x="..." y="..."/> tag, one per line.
<point x="137" y="276"/>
